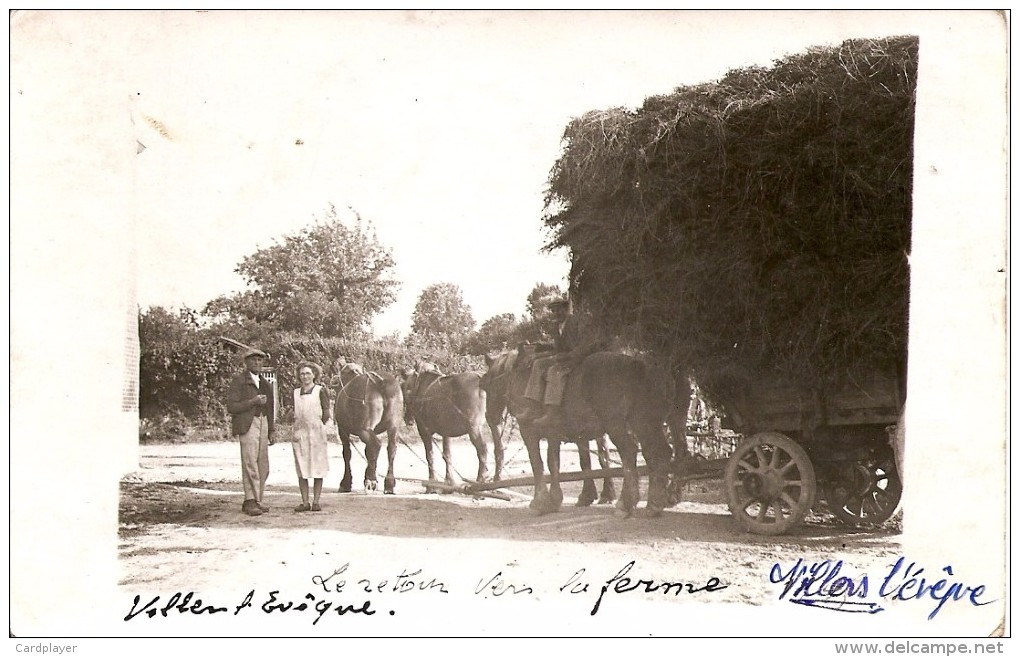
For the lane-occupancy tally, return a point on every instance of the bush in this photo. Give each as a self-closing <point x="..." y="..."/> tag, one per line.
<point x="185" y="371"/>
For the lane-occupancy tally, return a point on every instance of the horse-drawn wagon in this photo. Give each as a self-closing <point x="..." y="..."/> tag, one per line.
<point x="802" y="445"/>
<point x="797" y="445"/>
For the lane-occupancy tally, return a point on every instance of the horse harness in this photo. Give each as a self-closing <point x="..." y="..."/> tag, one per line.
<point x="420" y="395"/>
<point x="369" y="378"/>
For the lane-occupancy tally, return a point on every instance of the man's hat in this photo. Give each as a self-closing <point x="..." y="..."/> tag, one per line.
<point x="252" y="351"/>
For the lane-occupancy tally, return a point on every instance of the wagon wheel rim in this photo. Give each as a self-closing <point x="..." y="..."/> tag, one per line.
<point x="770" y="484"/>
<point x="870" y="497"/>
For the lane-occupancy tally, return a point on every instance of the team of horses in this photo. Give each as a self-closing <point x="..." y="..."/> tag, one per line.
<point x="608" y="394"/>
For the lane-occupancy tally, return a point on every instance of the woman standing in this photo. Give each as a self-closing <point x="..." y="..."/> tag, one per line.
<point x="311" y="414"/>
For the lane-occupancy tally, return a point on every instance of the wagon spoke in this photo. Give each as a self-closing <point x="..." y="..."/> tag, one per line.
<point x="793" y="482"/>
<point x="783" y="483"/>
<point x="746" y="466"/>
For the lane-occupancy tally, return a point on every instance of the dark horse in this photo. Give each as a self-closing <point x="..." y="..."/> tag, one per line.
<point x="450" y="406"/>
<point x="368" y="404"/>
<point x="497" y="384"/>
<point x="606" y="393"/>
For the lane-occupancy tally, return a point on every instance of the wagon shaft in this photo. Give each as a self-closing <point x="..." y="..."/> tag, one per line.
<point x="642" y="470"/>
<point x="565" y="476"/>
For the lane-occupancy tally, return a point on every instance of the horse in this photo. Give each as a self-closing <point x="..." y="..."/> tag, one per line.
<point x="606" y="393"/>
<point x="450" y="406"/>
<point x="496" y="382"/>
<point x="368" y="404"/>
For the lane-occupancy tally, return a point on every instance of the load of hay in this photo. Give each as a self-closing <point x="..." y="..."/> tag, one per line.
<point x="754" y="229"/>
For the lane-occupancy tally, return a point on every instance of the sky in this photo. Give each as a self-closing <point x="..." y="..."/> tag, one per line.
<point x="438" y="128"/>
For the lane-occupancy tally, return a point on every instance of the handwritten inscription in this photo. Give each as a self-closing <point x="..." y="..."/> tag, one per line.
<point x="497" y="586"/>
<point x="333" y="590"/>
<point x="621" y="583"/>
<point x="405" y="582"/>
<point x="177" y="602"/>
<point x="823" y="585"/>
<point x="904" y="582"/>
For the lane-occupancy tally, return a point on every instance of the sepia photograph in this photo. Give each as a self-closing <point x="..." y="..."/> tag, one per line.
<point x="510" y="323"/>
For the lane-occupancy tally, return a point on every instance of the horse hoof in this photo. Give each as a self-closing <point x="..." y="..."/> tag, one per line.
<point x="345" y="488"/>
<point x="605" y="499"/>
<point x="622" y="513"/>
<point x="371" y="486"/>
<point x="585" y="500"/>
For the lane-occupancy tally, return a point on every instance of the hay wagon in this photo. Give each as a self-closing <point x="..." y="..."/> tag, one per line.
<point x="801" y="446"/>
<point x="795" y="447"/>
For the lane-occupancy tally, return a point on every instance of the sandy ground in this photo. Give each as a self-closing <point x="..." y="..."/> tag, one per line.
<point x="181" y="529"/>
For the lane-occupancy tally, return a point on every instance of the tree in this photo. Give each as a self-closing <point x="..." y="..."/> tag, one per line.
<point x="441" y="319"/>
<point x="328" y="279"/>
<point x="539" y="325"/>
<point x="495" y="334"/>
<point x="539" y="299"/>
<point x="180" y="366"/>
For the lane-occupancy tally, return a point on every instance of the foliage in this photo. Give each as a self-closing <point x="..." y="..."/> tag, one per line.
<point x="179" y="366"/>
<point x="441" y="319"/>
<point x="755" y="228"/>
<point x="539" y="299"/>
<point x="185" y="369"/>
<point x="503" y="331"/>
<point x="495" y="334"/>
<point x="328" y="279"/>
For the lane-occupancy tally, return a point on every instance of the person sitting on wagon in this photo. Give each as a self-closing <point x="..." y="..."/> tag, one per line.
<point x="549" y="373"/>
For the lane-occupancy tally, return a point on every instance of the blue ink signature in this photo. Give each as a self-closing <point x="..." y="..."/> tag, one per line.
<point x="822" y="585"/>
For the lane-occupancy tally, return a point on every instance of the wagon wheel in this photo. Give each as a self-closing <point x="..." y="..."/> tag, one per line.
<point x="865" y="493"/>
<point x="770" y="483"/>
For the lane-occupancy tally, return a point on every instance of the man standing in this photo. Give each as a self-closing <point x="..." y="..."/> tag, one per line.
<point x="250" y="404"/>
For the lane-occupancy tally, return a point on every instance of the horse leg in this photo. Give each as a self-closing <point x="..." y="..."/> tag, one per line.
<point x="345" y="483"/>
<point x="658" y="456"/>
<point x="426" y="441"/>
<point x="587" y="495"/>
<point x="390" y="483"/>
<point x="608" y="489"/>
<point x="481" y="450"/>
<point x="497" y="447"/>
<point x="555" y="500"/>
<point x="372" y="445"/>
<point x="451" y="477"/>
<point x="631" y="488"/>
<point x="534" y="448"/>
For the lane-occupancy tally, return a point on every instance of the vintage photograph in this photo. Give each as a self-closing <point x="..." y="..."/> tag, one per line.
<point x="510" y="324"/>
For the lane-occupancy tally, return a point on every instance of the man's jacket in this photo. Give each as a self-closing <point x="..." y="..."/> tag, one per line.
<point x="241" y="402"/>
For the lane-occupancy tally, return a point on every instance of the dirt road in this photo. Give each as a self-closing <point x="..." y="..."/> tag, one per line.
<point x="181" y="530"/>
